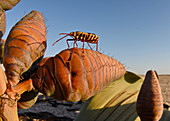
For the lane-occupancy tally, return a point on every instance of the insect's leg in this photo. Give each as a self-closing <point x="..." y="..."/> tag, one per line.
<point x="83" y="46"/>
<point x="97" y="46"/>
<point x="89" y="46"/>
<point x="70" y="40"/>
<point x="60" y="39"/>
<point x="75" y="40"/>
<point x="67" y="43"/>
<point x="83" y="49"/>
<point x="75" y="43"/>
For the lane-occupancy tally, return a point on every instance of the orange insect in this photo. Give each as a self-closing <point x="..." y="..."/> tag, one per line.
<point x="73" y="77"/>
<point x="81" y="36"/>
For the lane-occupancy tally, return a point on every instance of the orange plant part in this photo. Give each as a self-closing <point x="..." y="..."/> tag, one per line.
<point x="150" y="102"/>
<point x="2" y="22"/>
<point x="2" y="82"/>
<point x="8" y="4"/>
<point x="27" y="104"/>
<point x="2" y="44"/>
<point x="73" y="75"/>
<point x="25" y="44"/>
<point x="2" y="31"/>
<point x="9" y="97"/>
<point x="8" y="109"/>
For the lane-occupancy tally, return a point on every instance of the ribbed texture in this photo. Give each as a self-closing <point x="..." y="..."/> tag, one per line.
<point x="73" y="75"/>
<point x="25" y="43"/>
<point x="2" y="22"/>
<point x="150" y="101"/>
<point x="2" y="44"/>
<point x="8" y="4"/>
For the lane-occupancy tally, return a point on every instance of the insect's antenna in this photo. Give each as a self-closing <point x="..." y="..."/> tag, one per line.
<point x="64" y="33"/>
<point x="61" y="37"/>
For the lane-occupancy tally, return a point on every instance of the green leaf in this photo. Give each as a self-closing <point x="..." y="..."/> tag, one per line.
<point x="116" y="102"/>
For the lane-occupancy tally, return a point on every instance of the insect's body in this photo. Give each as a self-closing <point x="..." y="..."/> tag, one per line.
<point x="85" y="37"/>
<point x="81" y="36"/>
<point x="73" y="77"/>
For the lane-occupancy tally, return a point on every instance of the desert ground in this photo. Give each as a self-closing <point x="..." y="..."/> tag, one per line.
<point x="49" y="109"/>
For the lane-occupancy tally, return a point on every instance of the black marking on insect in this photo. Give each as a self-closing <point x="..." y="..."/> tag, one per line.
<point x="81" y="36"/>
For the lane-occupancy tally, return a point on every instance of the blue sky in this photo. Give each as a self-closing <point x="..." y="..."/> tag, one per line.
<point x="137" y="33"/>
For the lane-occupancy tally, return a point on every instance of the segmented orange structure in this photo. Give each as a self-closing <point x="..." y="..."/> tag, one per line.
<point x="2" y="31"/>
<point x="73" y="75"/>
<point x="8" y="4"/>
<point x="150" y="102"/>
<point x="25" y="44"/>
<point x="2" y="43"/>
<point x="2" y="22"/>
